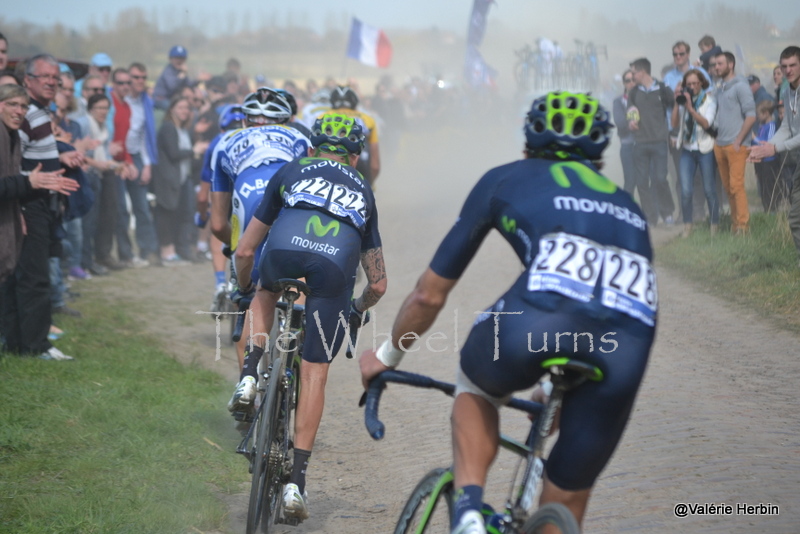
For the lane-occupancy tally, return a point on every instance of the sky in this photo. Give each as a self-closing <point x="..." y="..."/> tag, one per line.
<point x="445" y="14"/>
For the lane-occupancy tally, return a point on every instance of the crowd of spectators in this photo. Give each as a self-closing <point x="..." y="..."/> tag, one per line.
<point x="716" y="121"/>
<point x="100" y="173"/>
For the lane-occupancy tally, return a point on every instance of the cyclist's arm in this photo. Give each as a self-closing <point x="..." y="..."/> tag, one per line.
<point x="415" y="317"/>
<point x="246" y="250"/>
<point x="374" y="266"/>
<point x="220" y="223"/>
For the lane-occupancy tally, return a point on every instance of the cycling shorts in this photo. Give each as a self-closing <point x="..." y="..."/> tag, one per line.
<point x="328" y="263"/>
<point x="593" y="415"/>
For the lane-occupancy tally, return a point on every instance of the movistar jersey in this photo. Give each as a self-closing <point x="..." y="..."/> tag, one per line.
<point x="324" y="185"/>
<point x="578" y="235"/>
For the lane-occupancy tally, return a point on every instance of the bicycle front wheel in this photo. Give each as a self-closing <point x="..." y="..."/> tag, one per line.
<point x="423" y="511"/>
<point x="552" y="514"/>
<point x="265" y="487"/>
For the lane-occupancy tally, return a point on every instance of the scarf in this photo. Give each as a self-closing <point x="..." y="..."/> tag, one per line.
<point x="99" y="132"/>
<point x="11" y="234"/>
<point x="690" y="132"/>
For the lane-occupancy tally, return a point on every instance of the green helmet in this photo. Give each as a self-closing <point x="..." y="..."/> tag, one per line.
<point x="338" y="129"/>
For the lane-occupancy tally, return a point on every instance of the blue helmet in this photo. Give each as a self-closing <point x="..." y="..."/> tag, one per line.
<point x="567" y="125"/>
<point x="230" y="114"/>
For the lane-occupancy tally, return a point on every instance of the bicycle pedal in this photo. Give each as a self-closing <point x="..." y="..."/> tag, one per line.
<point x="243" y="417"/>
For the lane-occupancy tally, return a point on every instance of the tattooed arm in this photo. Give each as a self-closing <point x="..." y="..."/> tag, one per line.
<point x="372" y="261"/>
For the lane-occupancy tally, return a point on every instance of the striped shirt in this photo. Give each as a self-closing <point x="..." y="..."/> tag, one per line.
<point x="37" y="141"/>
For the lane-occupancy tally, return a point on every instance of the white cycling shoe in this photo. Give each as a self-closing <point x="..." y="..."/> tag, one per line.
<point x="244" y="395"/>
<point x="294" y="504"/>
<point x="471" y="523"/>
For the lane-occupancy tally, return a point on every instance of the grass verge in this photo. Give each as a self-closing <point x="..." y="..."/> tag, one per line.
<point x="759" y="270"/>
<point x="123" y="439"/>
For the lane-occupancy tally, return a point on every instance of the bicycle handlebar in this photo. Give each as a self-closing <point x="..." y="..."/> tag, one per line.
<point x="371" y="397"/>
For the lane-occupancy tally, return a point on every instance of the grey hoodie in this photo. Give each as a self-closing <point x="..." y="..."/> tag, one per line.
<point x="734" y="103"/>
<point x="788" y="135"/>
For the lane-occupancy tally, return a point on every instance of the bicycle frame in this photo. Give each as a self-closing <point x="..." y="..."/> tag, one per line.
<point x="565" y="375"/>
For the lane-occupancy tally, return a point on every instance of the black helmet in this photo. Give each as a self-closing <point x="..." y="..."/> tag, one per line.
<point x="343" y="97"/>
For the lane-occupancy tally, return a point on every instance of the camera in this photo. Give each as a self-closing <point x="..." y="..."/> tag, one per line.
<point x="681" y="98"/>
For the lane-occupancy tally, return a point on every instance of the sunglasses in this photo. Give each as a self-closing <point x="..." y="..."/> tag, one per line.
<point x="122" y="83"/>
<point x="628" y="80"/>
<point x="678" y="54"/>
<point x="333" y="149"/>
<point x="96" y="90"/>
<point x="142" y="77"/>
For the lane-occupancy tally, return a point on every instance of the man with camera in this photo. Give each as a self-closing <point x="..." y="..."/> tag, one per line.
<point x="736" y="113"/>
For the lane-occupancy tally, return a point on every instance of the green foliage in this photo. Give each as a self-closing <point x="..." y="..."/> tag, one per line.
<point x="759" y="270"/>
<point x="123" y="439"/>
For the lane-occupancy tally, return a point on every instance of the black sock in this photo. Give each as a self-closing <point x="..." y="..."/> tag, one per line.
<point x="299" y="469"/>
<point x="251" y="359"/>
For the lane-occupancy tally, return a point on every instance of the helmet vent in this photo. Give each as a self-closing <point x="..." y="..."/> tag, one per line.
<point x="572" y="103"/>
<point x="539" y="126"/>
<point x="579" y="126"/>
<point x="558" y="123"/>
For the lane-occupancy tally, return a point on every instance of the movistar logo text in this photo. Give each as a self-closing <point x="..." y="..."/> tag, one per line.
<point x="320" y="230"/>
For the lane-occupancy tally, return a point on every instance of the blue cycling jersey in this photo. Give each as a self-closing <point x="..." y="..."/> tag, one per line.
<point x="243" y="162"/>
<point x="577" y="234"/>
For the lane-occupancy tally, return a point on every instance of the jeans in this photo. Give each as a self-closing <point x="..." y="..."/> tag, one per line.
<point x="145" y="228"/>
<point x="74" y="230"/>
<point x="89" y="221"/>
<point x="57" y="286"/>
<point x="651" y="180"/>
<point x="690" y="161"/>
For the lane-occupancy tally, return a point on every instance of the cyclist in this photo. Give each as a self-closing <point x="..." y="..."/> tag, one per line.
<point x="243" y="164"/>
<point x="321" y="217"/>
<point x="345" y="100"/>
<point x="293" y="122"/>
<point x="229" y="119"/>
<point x="579" y="237"/>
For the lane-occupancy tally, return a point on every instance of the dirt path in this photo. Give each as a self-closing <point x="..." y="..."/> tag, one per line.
<point x="716" y="420"/>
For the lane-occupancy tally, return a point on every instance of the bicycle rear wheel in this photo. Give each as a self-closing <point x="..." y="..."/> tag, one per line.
<point x="265" y="488"/>
<point x="552" y="514"/>
<point x="423" y="511"/>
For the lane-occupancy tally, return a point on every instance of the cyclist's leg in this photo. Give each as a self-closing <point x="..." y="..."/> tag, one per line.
<point x="576" y="501"/>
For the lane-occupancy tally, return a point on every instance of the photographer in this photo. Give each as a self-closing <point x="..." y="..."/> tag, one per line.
<point x="693" y="116"/>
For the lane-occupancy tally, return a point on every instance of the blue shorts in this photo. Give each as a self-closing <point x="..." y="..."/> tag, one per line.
<point x="594" y="415"/>
<point x="328" y="263"/>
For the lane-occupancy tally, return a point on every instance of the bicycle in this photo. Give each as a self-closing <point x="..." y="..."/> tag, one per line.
<point x="419" y="513"/>
<point x="268" y="442"/>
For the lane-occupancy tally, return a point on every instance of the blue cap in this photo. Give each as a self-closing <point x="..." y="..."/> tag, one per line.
<point x="178" y="51"/>
<point x="229" y="114"/>
<point x="63" y="67"/>
<point x="101" y="60"/>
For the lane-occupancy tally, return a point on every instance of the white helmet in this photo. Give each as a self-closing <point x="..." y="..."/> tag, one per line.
<point x="268" y="103"/>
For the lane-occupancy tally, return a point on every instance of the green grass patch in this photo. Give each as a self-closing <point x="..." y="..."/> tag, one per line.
<point x="759" y="270"/>
<point x="116" y="441"/>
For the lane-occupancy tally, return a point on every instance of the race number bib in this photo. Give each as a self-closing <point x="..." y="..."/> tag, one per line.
<point x="573" y="266"/>
<point x="344" y="202"/>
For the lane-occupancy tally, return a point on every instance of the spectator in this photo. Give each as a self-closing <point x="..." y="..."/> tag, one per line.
<point x="28" y="309"/>
<point x="692" y="120"/>
<point x="760" y="94"/>
<point x="770" y="187"/>
<point x="787" y="138"/>
<point x="15" y="186"/>
<point x="3" y="52"/>
<point x="140" y="143"/>
<point x="92" y="84"/>
<point x="99" y="224"/>
<point x="681" y="65"/>
<point x="736" y="113"/>
<point x="7" y="78"/>
<point x="171" y="180"/>
<point x="708" y="49"/>
<point x="620" y="110"/>
<point x="650" y="99"/>
<point x="174" y="77"/>
<point x="100" y="66"/>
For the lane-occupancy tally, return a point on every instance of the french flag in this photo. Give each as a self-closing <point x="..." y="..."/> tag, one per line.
<point x="369" y="45"/>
